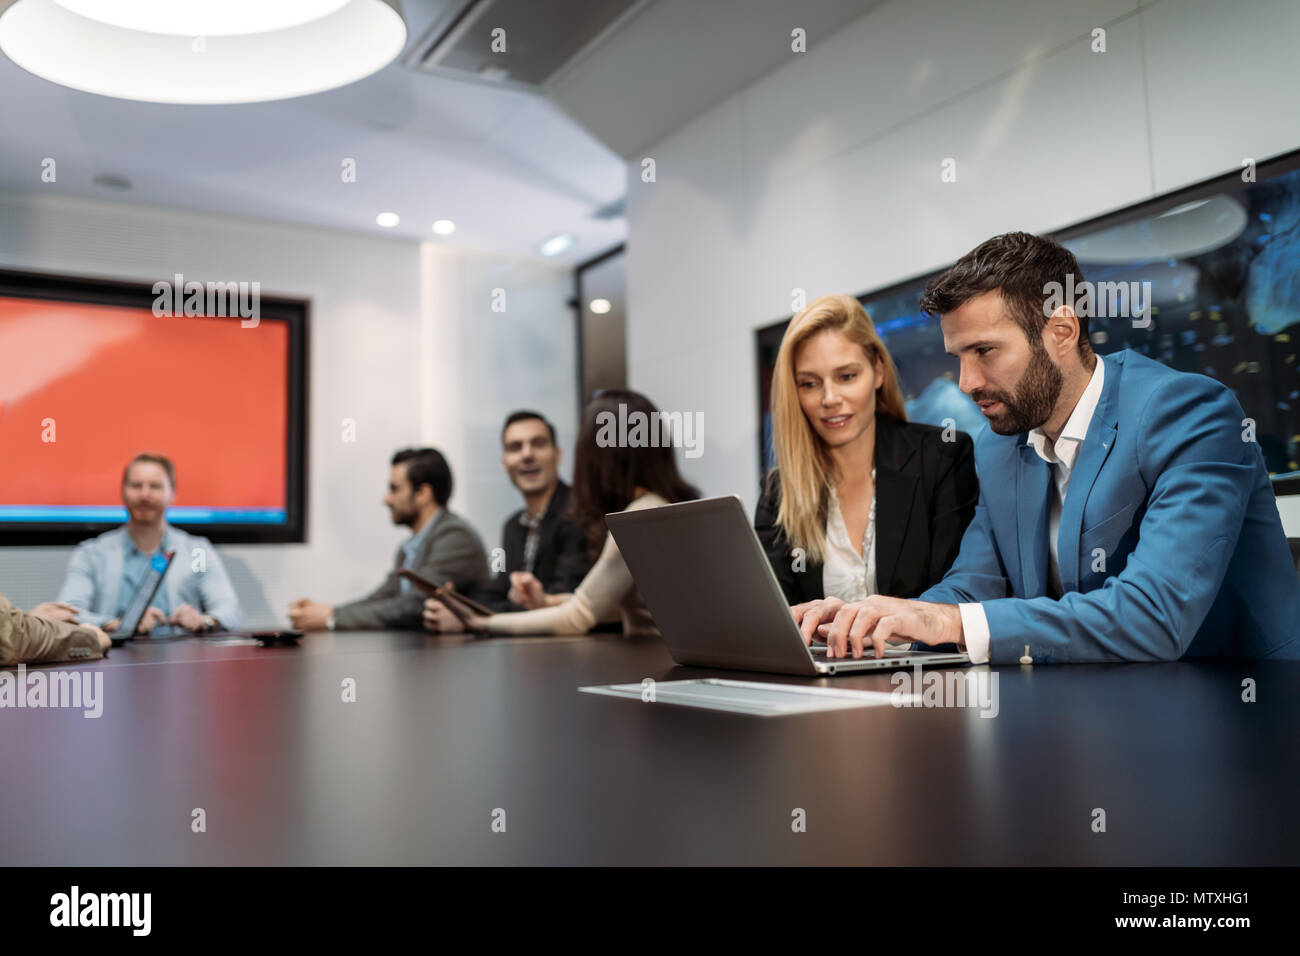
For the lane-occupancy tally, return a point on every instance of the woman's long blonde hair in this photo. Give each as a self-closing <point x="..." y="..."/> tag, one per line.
<point x="807" y="471"/>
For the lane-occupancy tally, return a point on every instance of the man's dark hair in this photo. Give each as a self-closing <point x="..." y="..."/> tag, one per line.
<point x="1021" y="266"/>
<point x="426" y="466"/>
<point x="524" y="415"/>
<point x="152" y="458"/>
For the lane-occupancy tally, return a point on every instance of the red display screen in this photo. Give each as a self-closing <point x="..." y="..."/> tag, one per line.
<point x="86" y="386"/>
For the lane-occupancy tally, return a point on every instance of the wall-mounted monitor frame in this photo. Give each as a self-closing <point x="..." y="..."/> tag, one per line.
<point x="294" y="313"/>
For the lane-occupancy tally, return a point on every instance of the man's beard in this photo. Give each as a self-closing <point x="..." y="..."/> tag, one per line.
<point x="1035" y="398"/>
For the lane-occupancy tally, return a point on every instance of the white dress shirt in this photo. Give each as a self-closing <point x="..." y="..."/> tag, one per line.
<point x="847" y="573"/>
<point x="1061" y="456"/>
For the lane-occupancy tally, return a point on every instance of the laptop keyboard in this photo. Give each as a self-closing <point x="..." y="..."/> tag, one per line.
<point x="891" y="650"/>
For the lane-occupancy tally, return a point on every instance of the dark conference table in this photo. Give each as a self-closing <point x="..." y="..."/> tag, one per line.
<point x="445" y="731"/>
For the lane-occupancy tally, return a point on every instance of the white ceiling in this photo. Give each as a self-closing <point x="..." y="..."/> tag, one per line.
<point x="673" y="60"/>
<point x="509" y="166"/>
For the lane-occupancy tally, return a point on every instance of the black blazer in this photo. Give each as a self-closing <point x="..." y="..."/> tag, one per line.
<point x="926" y="492"/>
<point x="562" y="558"/>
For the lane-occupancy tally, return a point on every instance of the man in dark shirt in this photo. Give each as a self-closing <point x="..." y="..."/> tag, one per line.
<point x="542" y="550"/>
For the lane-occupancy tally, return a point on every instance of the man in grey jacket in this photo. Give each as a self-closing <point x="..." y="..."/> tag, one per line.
<point x="442" y="548"/>
<point x="105" y="572"/>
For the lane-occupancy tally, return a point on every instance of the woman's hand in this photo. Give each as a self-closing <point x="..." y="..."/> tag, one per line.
<point x="809" y="615"/>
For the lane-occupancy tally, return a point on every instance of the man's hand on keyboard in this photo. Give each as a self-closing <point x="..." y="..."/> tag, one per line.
<point x="849" y="628"/>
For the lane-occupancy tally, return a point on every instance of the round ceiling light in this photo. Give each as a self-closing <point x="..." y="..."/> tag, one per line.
<point x="203" y="18"/>
<point x="202" y="51"/>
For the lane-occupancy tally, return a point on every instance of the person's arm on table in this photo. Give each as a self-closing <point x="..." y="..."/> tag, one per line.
<point x="372" y="612"/>
<point x="25" y="638"/>
<point x="391" y="610"/>
<point x="455" y="555"/>
<point x="308" y="615"/>
<point x="596" y="600"/>
<point x="528" y="593"/>
<point x="575" y="615"/>
<point x="597" y="597"/>
<point x="54" y="611"/>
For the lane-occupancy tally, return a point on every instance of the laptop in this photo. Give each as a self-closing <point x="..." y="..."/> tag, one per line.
<point x="143" y="597"/>
<point x="704" y="575"/>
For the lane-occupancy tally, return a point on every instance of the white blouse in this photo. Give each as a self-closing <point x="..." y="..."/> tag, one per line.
<point x="848" y="573"/>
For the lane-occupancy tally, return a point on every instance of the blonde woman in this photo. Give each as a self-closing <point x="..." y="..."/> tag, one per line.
<point x="862" y="501"/>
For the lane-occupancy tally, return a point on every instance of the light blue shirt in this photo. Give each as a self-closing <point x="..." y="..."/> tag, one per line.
<point x="135" y="566"/>
<point x="411" y="550"/>
<point x="100" y="572"/>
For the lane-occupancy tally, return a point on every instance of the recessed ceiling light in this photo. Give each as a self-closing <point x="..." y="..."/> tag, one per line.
<point x="388" y="219"/>
<point x="444" y="227"/>
<point x="599" y="306"/>
<point x="556" y="244"/>
<point x="202" y="51"/>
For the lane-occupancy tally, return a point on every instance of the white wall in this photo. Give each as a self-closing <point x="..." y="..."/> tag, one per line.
<point x="486" y="364"/>
<point x="402" y="339"/>
<point x="825" y="175"/>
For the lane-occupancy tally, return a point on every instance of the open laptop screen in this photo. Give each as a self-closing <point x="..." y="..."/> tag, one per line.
<point x="144" y="594"/>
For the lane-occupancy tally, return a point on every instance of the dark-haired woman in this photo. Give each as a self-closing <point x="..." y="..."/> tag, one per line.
<point x="608" y="476"/>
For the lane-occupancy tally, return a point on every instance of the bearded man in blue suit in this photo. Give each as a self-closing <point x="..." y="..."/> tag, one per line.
<point x="1125" y="511"/>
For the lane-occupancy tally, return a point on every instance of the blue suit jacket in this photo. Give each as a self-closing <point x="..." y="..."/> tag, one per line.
<point x="1170" y="542"/>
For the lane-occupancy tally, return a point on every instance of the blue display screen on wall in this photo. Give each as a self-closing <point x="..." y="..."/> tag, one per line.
<point x="1217" y="264"/>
